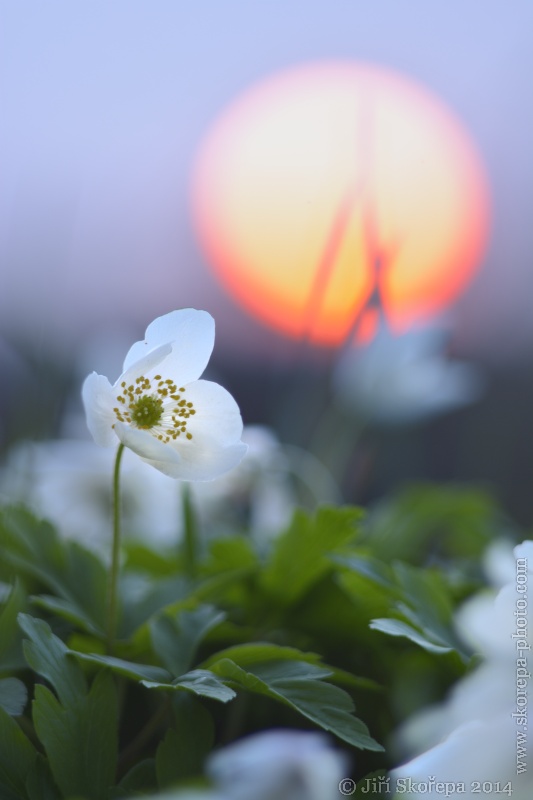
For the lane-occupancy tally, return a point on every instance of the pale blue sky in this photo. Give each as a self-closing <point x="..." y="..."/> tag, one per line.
<point x="104" y="105"/>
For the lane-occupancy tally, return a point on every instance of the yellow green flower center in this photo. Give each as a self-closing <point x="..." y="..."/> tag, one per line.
<point x="147" y="411"/>
<point x="156" y="405"/>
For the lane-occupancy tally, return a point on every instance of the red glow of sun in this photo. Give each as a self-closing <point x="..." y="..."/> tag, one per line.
<point x="313" y="176"/>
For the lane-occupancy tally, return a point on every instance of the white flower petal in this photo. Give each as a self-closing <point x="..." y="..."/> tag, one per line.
<point x="98" y="400"/>
<point x="203" y="459"/>
<point x="192" y="334"/>
<point x="217" y="414"/>
<point x="146" y="362"/>
<point x="164" y="458"/>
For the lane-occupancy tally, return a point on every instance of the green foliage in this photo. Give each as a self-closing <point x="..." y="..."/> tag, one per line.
<point x="340" y="612"/>
<point x="78" y="728"/>
<point x="300" y="557"/>
<point x="13" y="696"/>
<point x="299" y="685"/>
<point x="175" y="638"/>
<point x="425" y="612"/>
<point x="431" y="522"/>
<point x="17" y="756"/>
<point x="200" y="682"/>
<point x="76" y="576"/>
<point x="47" y="655"/>
<point x="10" y="639"/>
<point x="80" y="739"/>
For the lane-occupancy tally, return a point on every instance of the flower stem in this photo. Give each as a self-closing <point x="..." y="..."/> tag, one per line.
<point x="113" y="575"/>
<point x="190" y="538"/>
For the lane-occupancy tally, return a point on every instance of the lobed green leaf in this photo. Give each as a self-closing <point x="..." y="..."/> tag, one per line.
<point x="80" y="739"/>
<point x="13" y="696"/>
<point x="47" y="655"/>
<point x="17" y="756"/>
<point x="300" y="556"/>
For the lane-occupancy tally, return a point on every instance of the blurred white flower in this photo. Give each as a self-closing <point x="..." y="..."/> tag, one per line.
<point x="69" y="483"/>
<point x="184" y="427"/>
<point x="278" y="765"/>
<point x="401" y="379"/>
<point x="272" y="765"/>
<point x="477" y="735"/>
<point x="262" y="492"/>
<point x="257" y="494"/>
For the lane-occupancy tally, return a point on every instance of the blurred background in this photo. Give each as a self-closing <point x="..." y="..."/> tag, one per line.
<point x="346" y="186"/>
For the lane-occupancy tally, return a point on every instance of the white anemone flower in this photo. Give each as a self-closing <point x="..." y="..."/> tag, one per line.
<point x="67" y="482"/>
<point x="272" y="765"/>
<point x="278" y="765"/>
<point x="258" y="494"/>
<point x="185" y="427"/>
<point x="397" y="380"/>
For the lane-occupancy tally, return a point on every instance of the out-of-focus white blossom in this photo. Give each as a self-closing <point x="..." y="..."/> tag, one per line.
<point x="272" y="765"/>
<point x="262" y="492"/>
<point x="278" y="765"/>
<point x="476" y="734"/>
<point x="69" y="482"/>
<point x="257" y="495"/>
<point x="405" y="378"/>
<point x="185" y="427"/>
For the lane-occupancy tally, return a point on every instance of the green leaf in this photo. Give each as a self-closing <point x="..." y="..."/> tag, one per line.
<point x="49" y="657"/>
<point x="326" y="705"/>
<point x="453" y="521"/>
<point x="176" y="639"/>
<point x="80" y="739"/>
<point x="196" y="733"/>
<point x="166" y="760"/>
<point x="426" y="602"/>
<point x="87" y="583"/>
<point x="229" y="554"/>
<point x="425" y="611"/>
<point x="140" y="557"/>
<point x="258" y="652"/>
<point x="39" y="783"/>
<point x="67" y="609"/>
<point x="143" y="596"/>
<point x="329" y="707"/>
<point x="201" y="682"/>
<point x="181" y="755"/>
<point x="302" y="555"/>
<point x="140" y="779"/>
<point x="129" y="669"/>
<point x="395" y="627"/>
<point x="371" y="568"/>
<point x="272" y="672"/>
<point x="10" y="638"/>
<point x="84" y="643"/>
<point x="13" y="696"/>
<point x="17" y="756"/>
<point x="32" y="548"/>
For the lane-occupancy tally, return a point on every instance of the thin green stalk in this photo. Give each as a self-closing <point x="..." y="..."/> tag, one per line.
<point x="190" y="536"/>
<point x="115" y="557"/>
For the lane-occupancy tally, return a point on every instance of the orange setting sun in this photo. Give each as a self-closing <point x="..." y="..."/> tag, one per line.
<point x="329" y="182"/>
